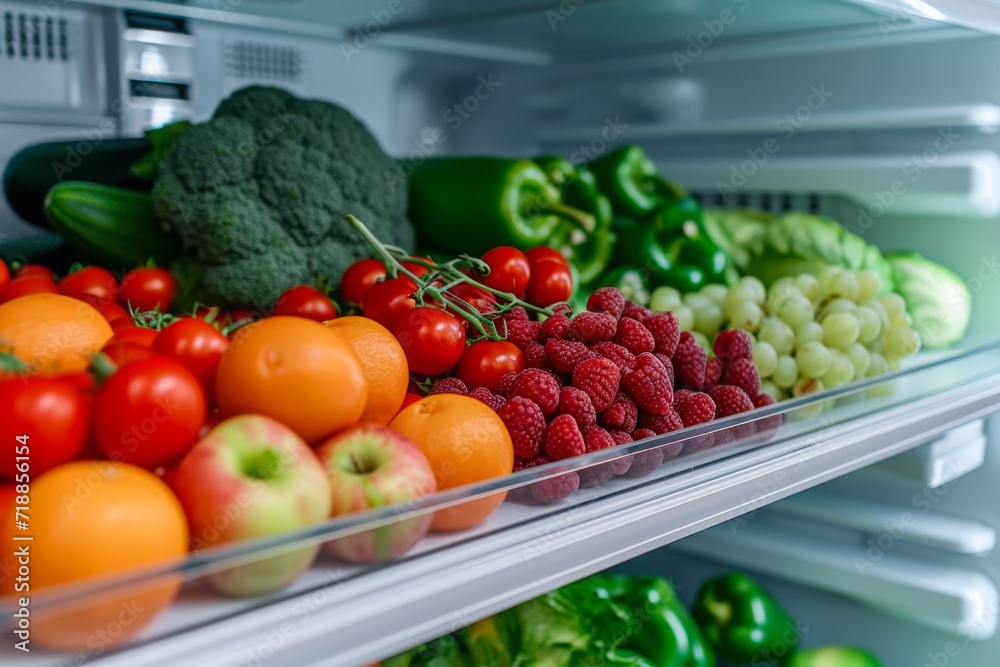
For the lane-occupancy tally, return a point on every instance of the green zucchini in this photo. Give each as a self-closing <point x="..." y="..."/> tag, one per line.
<point x="117" y="227"/>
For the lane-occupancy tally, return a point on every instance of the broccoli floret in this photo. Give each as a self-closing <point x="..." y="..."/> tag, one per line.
<point x="259" y="193"/>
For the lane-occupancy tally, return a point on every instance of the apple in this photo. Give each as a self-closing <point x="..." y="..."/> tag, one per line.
<point x="368" y="467"/>
<point x="250" y="477"/>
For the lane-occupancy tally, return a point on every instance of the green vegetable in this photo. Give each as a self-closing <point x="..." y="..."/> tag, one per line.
<point x="495" y="641"/>
<point x="936" y="298"/>
<point x="161" y="141"/>
<point x="447" y="651"/>
<point x="632" y="183"/>
<point x="259" y="194"/>
<point x="115" y="226"/>
<point x="833" y="656"/>
<point x="664" y="632"/>
<point x="742" y="622"/>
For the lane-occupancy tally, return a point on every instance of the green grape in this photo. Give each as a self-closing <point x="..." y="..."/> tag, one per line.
<point x="786" y="372"/>
<point x="708" y="319"/>
<point x="813" y="359"/>
<point x="702" y="340"/>
<point x="753" y="287"/>
<point x="694" y="301"/>
<point x="893" y="304"/>
<point x="747" y="316"/>
<point x="782" y="283"/>
<point x="665" y="299"/>
<point x="826" y="279"/>
<point x="883" y="317"/>
<point x="685" y="318"/>
<point x="737" y="296"/>
<point x="898" y="344"/>
<point x="859" y="357"/>
<point x="782" y="297"/>
<point x="776" y="332"/>
<point x="839" y="305"/>
<point x="772" y="390"/>
<point x="806" y="386"/>
<point x="798" y="313"/>
<point x="871" y="325"/>
<point x="869" y="285"/>
<point x="808" y="285"/>
<point x="843" y="285"/>
<point x="765" y="358"/>
<point x="903" y="320"/>
<point x="841" y="370"/>
<point x="809" y="332"/>
<point x="715" y="293"/>
<point x="876" y="365"/>
<point x="840" y="330"/>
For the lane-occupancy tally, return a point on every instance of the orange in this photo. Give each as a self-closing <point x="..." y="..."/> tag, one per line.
<point x="465" y="442"/>
<point x="52" y="333"/>
<point x="293" y="370"/>
<point x="383" y="363"/>
<point x="91" y="518"/>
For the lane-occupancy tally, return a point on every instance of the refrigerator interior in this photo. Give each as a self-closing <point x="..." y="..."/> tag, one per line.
<point x="880" y="114"/>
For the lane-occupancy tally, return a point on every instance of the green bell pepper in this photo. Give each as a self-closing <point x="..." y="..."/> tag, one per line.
<point x="742" y="622"/>
<point x="664" y="632"/>
<point x="472" y="204"/>
<point x="834" y="656"/>
<point x="630" y="179"/>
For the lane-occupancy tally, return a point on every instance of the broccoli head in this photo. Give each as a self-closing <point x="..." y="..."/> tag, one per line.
<point x="259" y="194"/>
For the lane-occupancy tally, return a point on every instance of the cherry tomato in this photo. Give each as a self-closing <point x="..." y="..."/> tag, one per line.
<point x="52" y="413"/>
<point x="148" y="289"/>
<point x="133" y="334"/>
<point x="510" y="270"/>
<point x="92" y="284"/>
<point x="476" y="297"/>
<point x="85" y="382"/>
<point x="113" y="311"/>
<point x="242" y="315"/>
<point x="149" y="412"/>
<point x="361" y="277"/>
<point x="416" y="269"/>
<point x="122" y="353"/>
<point x="483" y="363"/>
<point x="551" y="280"/>
<point x="23" y="286"/>
<point x="35" y="271"/>
<point x="544" y="253"/>
<point x="432" y="339"/>
<point x="409" y="399"/>
<point x="196" y="344"/>
<point x="305" y="301"/>
<point x="389" y="299"/>
<point x="4" y="275"/>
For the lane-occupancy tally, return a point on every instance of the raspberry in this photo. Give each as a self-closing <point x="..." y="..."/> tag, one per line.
<point x="599" y="379"/>
<point x="540" y="387"/>
<point x="733" y="344"/>
<point x="553" y="490"/>
<point x="666" y="332"/>
<point x="449" y="386"/>
<point x="729" y="400"/>
<point x="608" y="300"/>
<point x="696" y="408"/>
<point x="594" y="327"/>
<point x="526" y="424"/>
<point x="486" y="396"/>
<point x="562" y="438"/>
<point x="622" y="414"/>
<point x="523" y="494"/>
<point x="679" y="395"/>
<point x="768" y="425"/>
<point x="689" y="362"/>
<point x="535" y="357"/>
<point x="644" y="463"/>
<point x="713" y="372"/>
<point x="648" y="384"/>
<point x="623" y="358"/>
<point x="668" y="365"/>
<point x="634" y="337"/>
<point x="576" y="403"/>
<point x="763" y="400"/>
<point x="524" y="464"/>
<point x="642" y="433"/>
<point x="635" y="311"/>
<point x="506" y="384"/>
<point x="516" y="314"/>
<point x="619" y="436"/>
<point x="564" y="355"/>
<point x="614" y="415"/>
<point x="522" y="332"/>
<point x="744" y="375"/>
<point x="556" y="326"/>
<point x="621" y="466"/>
<point x="596" y="438"/>
<point x="596" y="475"/>
<point x="699" y="444"/>
<point x="724" y="437"/>
<point x="664" y="423"/>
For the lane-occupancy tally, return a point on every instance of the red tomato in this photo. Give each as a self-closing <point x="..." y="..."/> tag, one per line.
<point x="92" y="284"/>
<point x="84" y="381"/>
<point x="476" y="297"/>
<point x="409" y="399"/>
<point x="149" y="412"/>
<point x="416" y="269"/>
<point x="389" y="299"/>
<point x="148" y="289"/>
<point x="133" y="334"/>
<point x="35" y="271"/>
<point x="361" y="277"/>
<point x="432" y="339"/>
<point x="305" y="301"/>
<point x="551" y="280"/>
<point x="510" y="270"/>
<point x="122" y="353"/>
<point x="23" y="286"/>
<point x="4" y="275"/>
<point x="52" y="412"/>
<point x="113" y="311"/>
<point x="242" y="315"/>
<point x="544" y="253"/>
<point x="483" y="363"/>
<point x="196" y="344"/>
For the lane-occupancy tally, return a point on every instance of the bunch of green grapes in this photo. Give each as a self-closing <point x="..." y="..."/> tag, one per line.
<point x="810" y="332"/>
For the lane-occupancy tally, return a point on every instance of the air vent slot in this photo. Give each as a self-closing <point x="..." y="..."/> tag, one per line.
<point x="771" y="202"/>
<point x="30" y="37"/>
<point x="163" y="90"/>
<point x="157" y="22"/>
<point x="263" y="62"/>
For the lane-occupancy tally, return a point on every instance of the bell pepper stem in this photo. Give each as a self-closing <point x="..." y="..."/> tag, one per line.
<point x="583" y="220"/>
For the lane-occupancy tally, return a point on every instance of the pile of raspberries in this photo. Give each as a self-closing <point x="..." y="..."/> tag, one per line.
<point x="610" y="375"/>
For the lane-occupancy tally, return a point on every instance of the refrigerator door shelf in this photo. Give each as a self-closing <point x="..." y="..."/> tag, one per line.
<point x="941" y="461"/>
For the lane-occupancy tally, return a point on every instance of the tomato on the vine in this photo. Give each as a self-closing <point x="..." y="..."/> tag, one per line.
<point x="4" y="274"/>
<point x="476" y="297"/>
<point x="114" y="311"/>
<point x="510" y="270"/>
<point x="133" y="334"/>
<point x="52" y="412"/>
<point x="416" y="269"/>
<point x="196" y="344"/>
<point x="389" y="299"/>
<point x="305" y="301"/>
<point x="432" y="339"/>
<point x="92" y="284"/>
<point x="551" y="279"/>
<point x="23" y="286"/>
<point x="360" y="277"/>
<point x="149" y="412"/>
<point x="35" y="271"/>
<point x="148" y="289"/>
<point x="484" y="362"/>
<point x="122" y="353"/>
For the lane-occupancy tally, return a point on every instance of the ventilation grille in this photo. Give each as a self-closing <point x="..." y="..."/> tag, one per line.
<point x="263" y="62"/>
<point x="34" y="37"/>
<point x="772" y="202"/>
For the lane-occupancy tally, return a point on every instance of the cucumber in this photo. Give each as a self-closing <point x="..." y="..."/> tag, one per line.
<point x="117" y="227"/>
